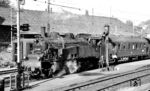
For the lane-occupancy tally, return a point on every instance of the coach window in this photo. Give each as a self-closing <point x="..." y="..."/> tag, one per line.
<point x="31" y="47"/>
<point x="136" y="46"/>
<point x="123" y="47"/>
<point x="129" y="46"/>
<point x="144" y="45"/>
<point x="119" y="46"/>
<point x="133" y="46"/>
<point x="139" y="45"/>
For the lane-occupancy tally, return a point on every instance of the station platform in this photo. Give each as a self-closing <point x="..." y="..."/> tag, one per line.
<point x="144" y="87"/>
<point x="132" y="65"/>
<point x="68" y="80"/>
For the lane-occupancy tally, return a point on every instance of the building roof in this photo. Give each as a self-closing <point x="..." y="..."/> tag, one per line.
<point x="26" y="16"/>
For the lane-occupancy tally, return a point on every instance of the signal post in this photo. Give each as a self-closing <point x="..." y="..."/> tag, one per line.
<point x="18" y="84"/>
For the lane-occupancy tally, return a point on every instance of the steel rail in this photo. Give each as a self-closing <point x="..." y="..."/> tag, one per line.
<point x="8" y="71"/>
<point x="90" y="83"/>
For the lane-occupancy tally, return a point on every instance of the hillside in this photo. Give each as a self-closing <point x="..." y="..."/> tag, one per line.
<point x="65" y="22"/>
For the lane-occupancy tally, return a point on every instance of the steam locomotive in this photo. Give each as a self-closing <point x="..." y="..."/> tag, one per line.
<point x="59" y="54"/>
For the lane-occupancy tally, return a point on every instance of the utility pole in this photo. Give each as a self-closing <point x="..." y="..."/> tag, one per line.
<point x="18" y="48"/>
<point x="48" y="10"/>
<point x="48" y="22"/>
<point x="110" y="16"/>
<point x="11" y="27"/>
<point x="93" y="20"/>
<point x="65" y="6"/>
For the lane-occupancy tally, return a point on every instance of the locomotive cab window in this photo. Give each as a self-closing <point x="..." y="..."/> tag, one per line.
<point x="30" y="48"/>
<point x="139" y="45"/>
<point x="119" y="46"/>
<point x="136" y="46"/>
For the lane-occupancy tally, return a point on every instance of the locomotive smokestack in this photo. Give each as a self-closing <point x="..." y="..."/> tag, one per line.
<point x="43" y="32"/>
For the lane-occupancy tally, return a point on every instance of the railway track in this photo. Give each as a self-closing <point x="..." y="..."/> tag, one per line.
<point x="109" y="82"/>
<point x="5" y="74"/>
<point x="112" y="82"/>
<point x="13" y="70"/>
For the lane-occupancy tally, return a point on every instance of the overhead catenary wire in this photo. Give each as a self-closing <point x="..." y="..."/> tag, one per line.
<point x="59" y="5"/>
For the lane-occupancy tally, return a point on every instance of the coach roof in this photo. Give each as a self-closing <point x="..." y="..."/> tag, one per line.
<point x="127" y="39"/>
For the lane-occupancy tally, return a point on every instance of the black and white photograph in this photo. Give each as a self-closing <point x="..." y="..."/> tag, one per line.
<point x="74" y="45"/>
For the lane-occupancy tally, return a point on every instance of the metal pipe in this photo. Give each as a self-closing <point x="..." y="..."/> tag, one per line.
<point x="18" y="32"/>
<point x="48" y="23"/>
<point x="107" y="29"/>
<point x="18" y="47"/>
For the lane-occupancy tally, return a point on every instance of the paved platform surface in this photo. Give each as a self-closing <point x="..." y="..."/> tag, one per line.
<point x="49" y="84"/>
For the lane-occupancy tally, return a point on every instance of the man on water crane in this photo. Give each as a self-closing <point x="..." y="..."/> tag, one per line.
<point x="105" y="36"/>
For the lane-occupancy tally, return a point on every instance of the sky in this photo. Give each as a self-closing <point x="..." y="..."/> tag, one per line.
<point x="134" y="10"/>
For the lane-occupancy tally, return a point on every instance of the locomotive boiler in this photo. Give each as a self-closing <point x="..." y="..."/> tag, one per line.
<point x="65" y="54"/>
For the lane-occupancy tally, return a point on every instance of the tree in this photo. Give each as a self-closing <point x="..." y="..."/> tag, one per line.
<point x="4" y="3"/>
